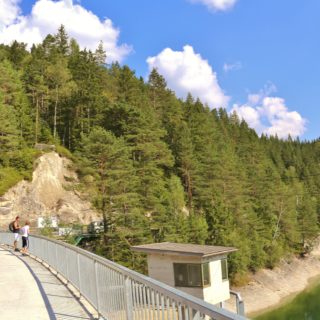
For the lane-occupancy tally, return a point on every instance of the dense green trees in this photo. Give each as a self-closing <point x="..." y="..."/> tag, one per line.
<point x="16" y="134"/>
<point x="156" y="167"/>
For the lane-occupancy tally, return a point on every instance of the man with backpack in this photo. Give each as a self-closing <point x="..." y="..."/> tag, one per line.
<point x="15" y="227"/>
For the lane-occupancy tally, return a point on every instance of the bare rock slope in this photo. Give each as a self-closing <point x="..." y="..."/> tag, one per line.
<point x="47" y="195"/>
<point x="270" y="288"/>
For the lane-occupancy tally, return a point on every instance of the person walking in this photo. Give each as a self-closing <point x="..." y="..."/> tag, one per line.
<point x="24" y="231"/>
<point x="16" y="229"/>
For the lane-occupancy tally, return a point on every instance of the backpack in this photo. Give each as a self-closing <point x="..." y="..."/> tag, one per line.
<point x="11" y="226"/>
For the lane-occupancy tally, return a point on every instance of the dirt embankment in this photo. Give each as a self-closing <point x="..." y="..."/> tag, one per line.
<point x="270" y="288"/>
<point x="50" y="193"/>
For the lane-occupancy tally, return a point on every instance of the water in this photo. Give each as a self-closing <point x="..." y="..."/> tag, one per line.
<point x="306" y="306"/>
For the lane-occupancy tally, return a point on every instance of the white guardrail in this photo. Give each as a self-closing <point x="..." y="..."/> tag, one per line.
<point x="116" y="292"/>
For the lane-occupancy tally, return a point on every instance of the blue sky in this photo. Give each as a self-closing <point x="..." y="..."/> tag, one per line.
<point x="263" y="55"/>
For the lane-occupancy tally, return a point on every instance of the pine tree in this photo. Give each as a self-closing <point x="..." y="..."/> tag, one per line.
<point x="17" y="54"/>
<point x="14" y="97"/>
<point x="62" y="41"/>
<point x="116" y="196"/>
<point x="9" y="133"/>
<point x="100" y="54"/>
<point x="61" y="86"/>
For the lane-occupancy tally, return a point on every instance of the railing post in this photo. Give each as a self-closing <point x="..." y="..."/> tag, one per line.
<point x="67" y="265"/>
<point x="97" y="286"/>
<point x="128" y="298"/>
<point x="239" y="302"/>
<point x="240" y="308"/>
<point x="57" y="267"/>
<point x="79" y="274"/>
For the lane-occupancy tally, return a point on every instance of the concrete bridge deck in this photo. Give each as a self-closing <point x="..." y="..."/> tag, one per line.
<point x="28" y="290"/>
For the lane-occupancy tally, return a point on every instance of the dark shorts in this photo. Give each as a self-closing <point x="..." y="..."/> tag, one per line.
<point x="25" y="242"/>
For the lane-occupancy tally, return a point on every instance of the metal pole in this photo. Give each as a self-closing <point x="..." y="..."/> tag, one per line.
<point x="128" y="298"/>
<point x="79" y="274"/>
<point x="239" y="302"/>
<point x="97" y="286"/>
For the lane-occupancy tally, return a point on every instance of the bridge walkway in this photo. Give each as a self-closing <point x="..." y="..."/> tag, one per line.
<point x="28" y="290"/>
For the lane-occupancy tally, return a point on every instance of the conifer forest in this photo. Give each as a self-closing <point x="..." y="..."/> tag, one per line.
<point x="158" y="168"/>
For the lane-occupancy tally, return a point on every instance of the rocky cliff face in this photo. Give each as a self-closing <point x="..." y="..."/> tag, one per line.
<point x="47" y="195"/>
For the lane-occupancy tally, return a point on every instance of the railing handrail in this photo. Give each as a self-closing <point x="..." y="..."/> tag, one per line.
<point x="239" y="301"/>
<point x="178" y="295"/>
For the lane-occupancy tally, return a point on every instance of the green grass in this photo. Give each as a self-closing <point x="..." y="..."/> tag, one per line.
<point x="64" y="152"/>
<point x="19" y="167"/>
<point x="304" y="307"/>
<point x="8" y="178"/>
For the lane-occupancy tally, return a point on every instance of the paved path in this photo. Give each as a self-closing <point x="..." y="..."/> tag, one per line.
<point x="30" y="291"/>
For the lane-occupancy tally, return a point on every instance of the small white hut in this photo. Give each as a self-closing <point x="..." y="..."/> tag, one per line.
<point x="199" y="270"/>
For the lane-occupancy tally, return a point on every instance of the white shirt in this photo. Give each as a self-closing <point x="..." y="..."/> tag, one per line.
<point x="24" y="231"/>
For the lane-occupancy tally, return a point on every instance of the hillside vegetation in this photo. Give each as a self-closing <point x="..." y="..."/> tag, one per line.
<point x="158" y="168"/>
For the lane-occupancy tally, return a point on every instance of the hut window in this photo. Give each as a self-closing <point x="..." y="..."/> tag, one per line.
<point x="205" y="274"/>
<point x="224" y="269"/>
<point x="191" y="274"/>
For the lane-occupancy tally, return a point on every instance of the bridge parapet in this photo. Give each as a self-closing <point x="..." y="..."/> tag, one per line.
<point x="116" y="292"/>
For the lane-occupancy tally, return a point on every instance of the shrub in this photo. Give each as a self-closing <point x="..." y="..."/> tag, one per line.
<point x="8" y="178"/>
<point x="23" y="160"/>
<point x="64" y="152"/>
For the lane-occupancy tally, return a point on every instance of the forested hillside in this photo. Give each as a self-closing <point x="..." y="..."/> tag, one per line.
<point x="158" y="168"/>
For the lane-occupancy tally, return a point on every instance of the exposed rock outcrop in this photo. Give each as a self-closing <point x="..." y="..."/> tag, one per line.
<point x="48" y="194"/>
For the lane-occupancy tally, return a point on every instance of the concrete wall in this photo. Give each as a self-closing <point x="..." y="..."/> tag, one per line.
<point x="160" y="267"/>
<point x="219" y="289"/>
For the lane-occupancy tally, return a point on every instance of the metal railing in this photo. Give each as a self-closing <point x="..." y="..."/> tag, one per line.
<point x="239" y="302"/>
<point x="116" y="292"/>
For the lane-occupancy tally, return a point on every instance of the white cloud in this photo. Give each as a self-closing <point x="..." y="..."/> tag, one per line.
<point x="9" y="10"/>
<point x="187" y="72"/>
<point x="283" y="122"/>
<point x="232" y="66"/>
<point x="271" y="116"/>
<point x="250" y="115"/>
<point x="46" y="17"/>
<point x="267" y="90"/>
<point x="216" y="5"/>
